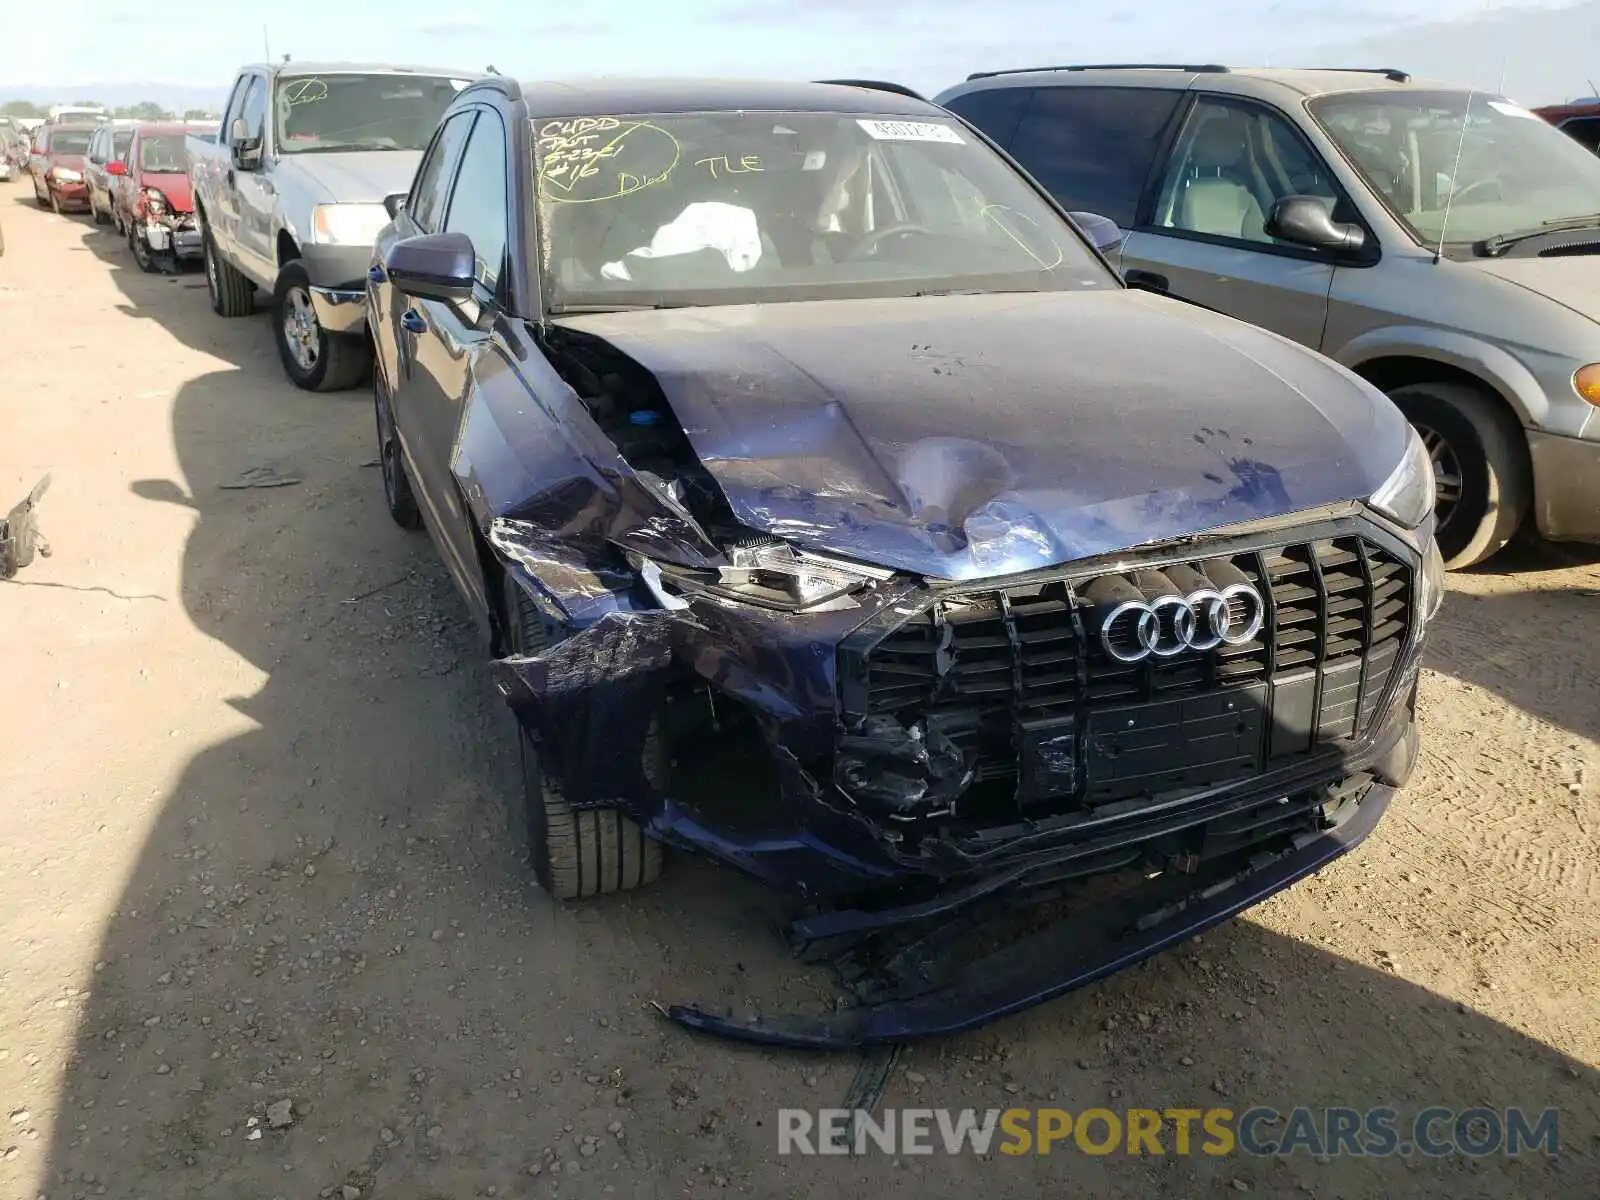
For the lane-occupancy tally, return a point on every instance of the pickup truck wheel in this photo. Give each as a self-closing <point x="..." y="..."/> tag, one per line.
<point x="576" y="853"/>
<point x="313" y="358"/>
<point x="232" y="295"/>
<point x="397" y="492"/>
<point x="1481" y="471"/>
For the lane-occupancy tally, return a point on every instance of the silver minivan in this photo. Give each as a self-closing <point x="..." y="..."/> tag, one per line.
<point x="1441" y="242"/>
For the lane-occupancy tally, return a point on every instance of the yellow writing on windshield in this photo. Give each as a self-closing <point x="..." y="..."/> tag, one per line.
<point x="585" y="159"/>
<point x="723" y="164"/>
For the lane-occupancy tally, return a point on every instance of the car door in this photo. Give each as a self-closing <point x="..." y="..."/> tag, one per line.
<point x="448" y="339"/>
<point x="1203" y="232"/>
<point x="94" y="165"/>
<point x="253" y="192"/>
<point x="222" y="206"/>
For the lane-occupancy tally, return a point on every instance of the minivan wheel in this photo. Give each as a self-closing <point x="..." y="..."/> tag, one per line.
<point x="1480" y="465"/>
<point x="575" y="853"/>
<point x="313" y="358"/>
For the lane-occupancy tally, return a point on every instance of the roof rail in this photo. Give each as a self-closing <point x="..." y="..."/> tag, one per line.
<point x="1392" y="74"/>
<point x="876" y="85"/>
<point x="1193" y="68"/>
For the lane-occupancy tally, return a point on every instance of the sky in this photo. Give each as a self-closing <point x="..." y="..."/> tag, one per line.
<point x="928" y="44"/>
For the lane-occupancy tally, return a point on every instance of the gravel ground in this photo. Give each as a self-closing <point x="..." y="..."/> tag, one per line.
<point x="254" y="786"/>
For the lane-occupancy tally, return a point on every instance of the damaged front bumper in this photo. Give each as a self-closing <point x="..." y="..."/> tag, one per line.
<point x="177" y="234"/>
<point x="920" y="788"/>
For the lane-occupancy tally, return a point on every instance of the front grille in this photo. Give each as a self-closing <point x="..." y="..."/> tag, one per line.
<point x="1018" y="675"/>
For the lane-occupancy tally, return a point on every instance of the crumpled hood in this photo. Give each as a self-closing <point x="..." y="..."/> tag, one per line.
<point x="173" y="186"/>
<point x="355" y="176"/>
<point x="967" y="436"/>
<point x="1571" y="281"/>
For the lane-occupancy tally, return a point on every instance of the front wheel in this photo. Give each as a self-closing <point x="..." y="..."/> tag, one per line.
<point x="55" y="202"/>
<point x="141" y="250"/>
<point x="102" y="216"/>
<point x="1482" y="478"/>
<point x="313" y="358"/>
<point x="576" y="853"/>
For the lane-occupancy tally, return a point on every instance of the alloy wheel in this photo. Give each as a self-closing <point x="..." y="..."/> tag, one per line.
<point x="301" y="333"/>
<point x="1447" y="474"/>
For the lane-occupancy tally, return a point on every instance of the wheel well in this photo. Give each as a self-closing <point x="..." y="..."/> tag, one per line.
<point x="288" y="248"/>
<point x="1386" y="374"/>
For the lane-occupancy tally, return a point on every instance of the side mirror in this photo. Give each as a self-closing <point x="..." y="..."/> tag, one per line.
<point x="433" y="266"/>
<point x="246" y="149"/>
<point x="395" y="204"/>
<point x="1306" y="221"/>
<point x="1103" y="233"/>
<point x="116" y="167"/>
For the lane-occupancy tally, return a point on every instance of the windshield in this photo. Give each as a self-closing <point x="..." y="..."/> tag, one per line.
<point x="162" y="154"/>
<point x="740" y="207"/>
<point x="62" y="142"/>
<point x="1517" y="173"/>
<point x="322" y="113"/>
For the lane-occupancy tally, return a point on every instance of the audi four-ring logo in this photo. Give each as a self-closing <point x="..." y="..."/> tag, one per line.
<point x="1168" y="625"/>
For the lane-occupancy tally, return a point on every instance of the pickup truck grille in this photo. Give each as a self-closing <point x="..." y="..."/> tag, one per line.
<point x="1016" y="675"/>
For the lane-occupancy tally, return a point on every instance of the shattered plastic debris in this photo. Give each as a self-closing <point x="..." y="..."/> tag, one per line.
<point x="589" y="695"/>
<point x="261" y="477"/>
<point x="19" y="533"/>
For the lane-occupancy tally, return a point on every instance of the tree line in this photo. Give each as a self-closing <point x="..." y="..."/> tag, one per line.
<point x="145" y="110"/>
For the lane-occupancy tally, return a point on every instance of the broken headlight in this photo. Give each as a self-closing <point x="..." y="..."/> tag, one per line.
<point x="1407" y="495"/>
<point x="776" y="575"/>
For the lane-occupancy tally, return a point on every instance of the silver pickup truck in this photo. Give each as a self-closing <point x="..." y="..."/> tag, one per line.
<point x="291" y="196"/>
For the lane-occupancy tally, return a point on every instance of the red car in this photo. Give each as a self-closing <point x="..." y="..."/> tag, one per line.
<point x="57" y="165"/>
<point x="151" y="202"/>
<point x="1579" y="120"/>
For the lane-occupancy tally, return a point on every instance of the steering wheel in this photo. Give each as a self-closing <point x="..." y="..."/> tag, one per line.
<point x="869" y="241"/>
<point x="1495" y="180"/>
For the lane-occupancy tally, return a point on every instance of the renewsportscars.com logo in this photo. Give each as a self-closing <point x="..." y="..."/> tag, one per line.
<point x="1433" y="1132"/>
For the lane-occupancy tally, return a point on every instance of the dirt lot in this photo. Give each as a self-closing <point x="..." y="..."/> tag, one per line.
<point x="253" y="788"/>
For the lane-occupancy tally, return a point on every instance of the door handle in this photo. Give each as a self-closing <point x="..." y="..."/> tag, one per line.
<point x="1150" y="280"/>
<point x="376" y="273"/>
<point x="411" y="321"/>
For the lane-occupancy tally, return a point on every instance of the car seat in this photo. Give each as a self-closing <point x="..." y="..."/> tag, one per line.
<point x="1217" y="198"/>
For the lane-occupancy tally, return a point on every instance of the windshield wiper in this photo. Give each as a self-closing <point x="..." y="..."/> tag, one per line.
<point x="1492" y="247"/>
<point x="565" y="310"/>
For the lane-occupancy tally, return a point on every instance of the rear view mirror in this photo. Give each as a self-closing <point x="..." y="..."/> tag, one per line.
<point x="1307" y="221"/>
<point x="1103" y="233"/>
<point x="433" y="266"/>
<point x="116" y="167"/>
<point x="395" y="204"/>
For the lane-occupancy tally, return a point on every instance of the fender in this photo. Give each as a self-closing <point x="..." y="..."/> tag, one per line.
<point x="1494" y="366"/>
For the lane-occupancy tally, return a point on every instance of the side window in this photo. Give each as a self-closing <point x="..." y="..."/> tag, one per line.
<point x="1232" y="164"/>
<point x="235" y="104"/>
<point x="478" y="197"/>
<point x="428" y="189"/>
<point x="996" y="111"/>
<point x="1092" y="148"/>
<point x="254" y="107"/>
<point x="97" y="146"/>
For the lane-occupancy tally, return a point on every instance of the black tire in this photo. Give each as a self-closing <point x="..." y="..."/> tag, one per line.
<point x="141" y="251"/>
<point x="55" y="202"/>
<point x="42" y="199"/>
<point x="232" y="294"/>
<point x="397" y="494"/>
<point x="313" y="358"/>
<point x="576" y="853"/>
<point x="1481" y="463"/>
<point x="101" y="216"/>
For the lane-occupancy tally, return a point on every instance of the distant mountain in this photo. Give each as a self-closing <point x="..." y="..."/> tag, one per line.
<point x="173" y="97"/>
